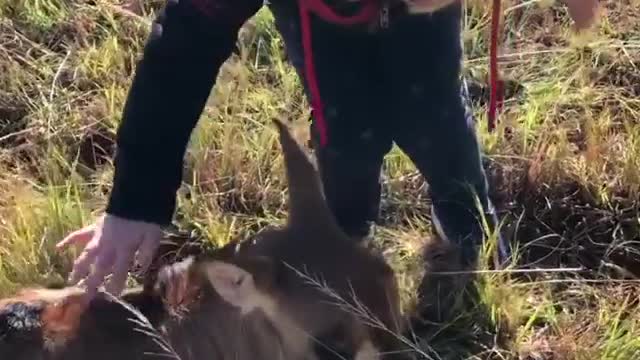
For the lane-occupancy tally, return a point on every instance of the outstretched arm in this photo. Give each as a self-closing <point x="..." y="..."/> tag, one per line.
<point x="189" y="42"/>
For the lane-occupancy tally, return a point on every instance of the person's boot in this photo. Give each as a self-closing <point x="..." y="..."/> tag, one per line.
<point x="446" y="277"/>
<point x="470" y="247"/>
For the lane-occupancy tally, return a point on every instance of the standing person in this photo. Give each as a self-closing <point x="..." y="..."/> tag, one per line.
<point x="399" y="82"/>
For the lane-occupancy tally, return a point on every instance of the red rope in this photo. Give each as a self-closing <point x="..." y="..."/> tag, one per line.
<point x="366" y="14"/>
<point x="494" y="81"/>
<point x="319" y="8"/>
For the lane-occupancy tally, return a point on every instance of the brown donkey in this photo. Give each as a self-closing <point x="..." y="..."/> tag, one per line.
<point x="266" y="298"/>
<point x="308" y="278"/>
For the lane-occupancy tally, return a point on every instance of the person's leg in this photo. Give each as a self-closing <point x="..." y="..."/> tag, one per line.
<point x="435" y="128"/>
<point x="351" y="162"/>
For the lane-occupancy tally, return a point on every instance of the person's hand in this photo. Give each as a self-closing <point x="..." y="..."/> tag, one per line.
<point x="584" y="13"/>
<point x="110" y="247"/>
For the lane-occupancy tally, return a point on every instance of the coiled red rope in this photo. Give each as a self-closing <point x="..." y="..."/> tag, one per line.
<point x="366" y="14"/>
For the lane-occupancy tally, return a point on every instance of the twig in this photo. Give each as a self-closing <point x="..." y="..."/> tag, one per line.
<point x="360" y="310"/>
<point x="146" y="327"/>
<point x="14" y="134"/>
<point x="57" y="75"/>
<point x="513" y="271"/>
<point x="580" y="281"/>
<point x="129" y="14"/>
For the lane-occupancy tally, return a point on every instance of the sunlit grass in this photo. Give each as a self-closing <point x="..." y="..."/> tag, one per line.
<point x="571" y="128"/>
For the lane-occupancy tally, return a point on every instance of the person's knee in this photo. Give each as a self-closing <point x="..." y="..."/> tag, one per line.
<point x="350" y="173"/>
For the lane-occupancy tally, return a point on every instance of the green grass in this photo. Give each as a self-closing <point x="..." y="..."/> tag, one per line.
<point x="564" y="163"/>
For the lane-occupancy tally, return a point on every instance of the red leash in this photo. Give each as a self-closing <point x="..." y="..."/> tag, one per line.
<point x="319" y="8"/>
<point x="366" y="14"/>
<point x="494" y="78"/>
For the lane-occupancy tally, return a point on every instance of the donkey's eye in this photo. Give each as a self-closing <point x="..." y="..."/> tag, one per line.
<point x="239" y="280"/>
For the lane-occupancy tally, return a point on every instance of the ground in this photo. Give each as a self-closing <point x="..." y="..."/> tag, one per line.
<point x="564" y="163"/>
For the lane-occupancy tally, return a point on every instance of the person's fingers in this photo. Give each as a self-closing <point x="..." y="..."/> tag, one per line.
<point x="103" y="266"/>
<point x="82" y="236"/>
<point x="122" y="264"/>
<point x="80" y="283"/>
<point x="82" y="264"/>
<point x="147" y="250"/>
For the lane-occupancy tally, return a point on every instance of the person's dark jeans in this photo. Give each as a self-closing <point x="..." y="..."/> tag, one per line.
<point x="399" y="85"/>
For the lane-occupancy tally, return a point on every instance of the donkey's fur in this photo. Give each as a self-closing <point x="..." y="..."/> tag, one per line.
<point x="195" y="322"/>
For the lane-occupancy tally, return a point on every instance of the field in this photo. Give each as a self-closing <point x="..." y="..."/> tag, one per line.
<point x="564" y="164"/>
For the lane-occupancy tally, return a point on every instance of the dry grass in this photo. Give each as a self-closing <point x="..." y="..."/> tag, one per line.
<point x="565" y="164"/>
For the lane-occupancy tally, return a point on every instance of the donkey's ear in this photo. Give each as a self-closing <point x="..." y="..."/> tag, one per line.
<point x="235" y="285"/>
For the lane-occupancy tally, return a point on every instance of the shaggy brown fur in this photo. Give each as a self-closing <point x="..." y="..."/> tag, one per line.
<point x="59" y="325"/>
<point x="275" y="271"/>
